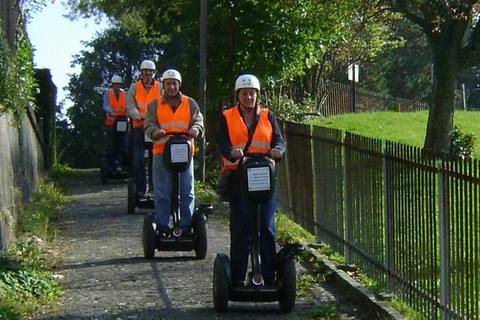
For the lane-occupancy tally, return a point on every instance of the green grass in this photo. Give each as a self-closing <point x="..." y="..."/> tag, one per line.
<point x="26" y="278"/>
<point x="403" y="127"/>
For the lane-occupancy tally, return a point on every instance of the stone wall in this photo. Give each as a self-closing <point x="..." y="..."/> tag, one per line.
<point x="21" y="167"/>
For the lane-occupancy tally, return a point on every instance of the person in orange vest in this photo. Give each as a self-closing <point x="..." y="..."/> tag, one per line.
<point x="232" y="136"/>
<point x="114" y="104"/>
<point x="172" y="112"/>
<point x="139" y="95"/>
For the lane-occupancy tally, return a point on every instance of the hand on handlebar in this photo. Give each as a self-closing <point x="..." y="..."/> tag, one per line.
<point x="157" y="135"/>
<point x="237" y="154"/>
<point x="275" y="154"/>
<point x="193" y="132"/>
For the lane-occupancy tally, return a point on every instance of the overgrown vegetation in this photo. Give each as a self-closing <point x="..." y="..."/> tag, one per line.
<point x="16" y="76"/>
<point x="26" y="267"/>
<point x="45" y="205"/>
<point x="463" y="143"/>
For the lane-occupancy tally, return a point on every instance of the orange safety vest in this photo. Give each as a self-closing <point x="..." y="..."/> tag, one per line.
<point x="238" y="132"/>
<point x="119" y="106"/>
<point x="142" y="98"/>
<point x="178" y="121"/>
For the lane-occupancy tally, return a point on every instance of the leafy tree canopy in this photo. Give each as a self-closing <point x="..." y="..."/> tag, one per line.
<point x="112" y="53"/>
<point x="453" y="34"/>
<point x="279" y="41"/>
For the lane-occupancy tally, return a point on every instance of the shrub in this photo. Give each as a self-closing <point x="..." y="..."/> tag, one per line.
<point x="463" y="144"/>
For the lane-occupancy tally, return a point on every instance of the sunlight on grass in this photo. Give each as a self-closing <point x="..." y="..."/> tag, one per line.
<point x="403" y="127"/>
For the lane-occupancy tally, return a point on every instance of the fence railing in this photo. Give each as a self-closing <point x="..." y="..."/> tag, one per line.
<point x="340" y="96"/>
<point x="411" y="222"/>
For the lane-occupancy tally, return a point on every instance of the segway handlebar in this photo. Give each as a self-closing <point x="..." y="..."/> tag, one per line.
<point x="266" y="155"/>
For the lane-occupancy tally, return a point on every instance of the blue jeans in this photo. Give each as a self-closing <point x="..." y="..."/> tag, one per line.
<point x="162" y="182"/>
<point x="240" y="238"/>
<point x="138" y="159"/>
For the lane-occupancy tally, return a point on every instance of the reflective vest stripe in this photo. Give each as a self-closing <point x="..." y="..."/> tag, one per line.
<point x="118" y="106"/>
<point x="178" y="121"/>
<point x="142" y="98"/>
<point x="238" y="132"/>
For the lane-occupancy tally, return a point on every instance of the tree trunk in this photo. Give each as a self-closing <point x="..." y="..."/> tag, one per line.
<point x="440" y="117"/>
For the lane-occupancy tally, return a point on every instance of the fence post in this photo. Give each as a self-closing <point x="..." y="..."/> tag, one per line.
<point x="389" y="232"/>
<point x="444" y="243"/>
<point x="348" y="207"/>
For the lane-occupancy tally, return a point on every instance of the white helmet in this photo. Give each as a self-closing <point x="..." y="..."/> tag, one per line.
<point x="247" y="81"/>
<point x="147" y="64"/>
<point x="172" y="74"/>
<point x="117" y="79"/>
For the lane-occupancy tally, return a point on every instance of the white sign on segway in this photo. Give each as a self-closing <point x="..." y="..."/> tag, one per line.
<point x="121" y="126"/>
<point x="258" y="179"/>
<point x="179" y="153"/>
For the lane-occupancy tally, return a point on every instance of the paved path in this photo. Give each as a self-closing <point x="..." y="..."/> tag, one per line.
<point x="106" y="277"/>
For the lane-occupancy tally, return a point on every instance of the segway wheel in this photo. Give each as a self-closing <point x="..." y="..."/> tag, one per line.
<point x="149" y="238"/>
<point x="221" y="286"/>
<point x="132" y="196"/>
<point x="104" y="171"/>
<point x="200" y="230"/>
<point x="288" y="286"/>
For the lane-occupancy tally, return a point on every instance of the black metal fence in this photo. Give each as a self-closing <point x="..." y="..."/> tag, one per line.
<point x="411" y="222"/>
<point x="340" y="97"/>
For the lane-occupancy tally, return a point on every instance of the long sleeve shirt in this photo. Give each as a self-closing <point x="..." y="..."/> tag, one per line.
<point x="132" y="107"/>
<point x="151" y="123"/>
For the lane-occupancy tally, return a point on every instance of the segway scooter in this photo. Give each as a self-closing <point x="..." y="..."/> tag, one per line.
<point x="257" y="179"/>
<point x="121" y="126"/>
<point x="177" y="157"/>
<point x="133" y="201"/>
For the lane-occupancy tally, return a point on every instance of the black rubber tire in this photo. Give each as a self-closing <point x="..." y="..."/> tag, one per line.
<point x="221" y="286"/>
<point x="288" y="286"/>
<point x="201" y="242"/>
<point x="149" y="238"/>
<point x="132" y="196"/>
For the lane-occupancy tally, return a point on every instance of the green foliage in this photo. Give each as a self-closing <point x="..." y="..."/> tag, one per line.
<point x="402" y="71"/>
<point x="463" y="144"/>
<point x="326" y="311"/>
<point x="286" y="109"/>
<point x="25" y="282"/>
<point x="203" y="193"/>
<point x="293" y="44"/>
<point x="81" y="139"/>
<point x="291" y="232"/>
<point x="16" y="76"/>
<point x="44" y="206"/>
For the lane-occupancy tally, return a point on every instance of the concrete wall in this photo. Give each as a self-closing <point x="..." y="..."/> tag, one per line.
<point x="21" y="167"/>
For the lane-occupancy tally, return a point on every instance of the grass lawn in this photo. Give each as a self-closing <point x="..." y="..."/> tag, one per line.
<point x="403" y="127"/>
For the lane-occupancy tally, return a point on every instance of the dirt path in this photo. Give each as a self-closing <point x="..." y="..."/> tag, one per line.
<point x="105" y="275"/>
